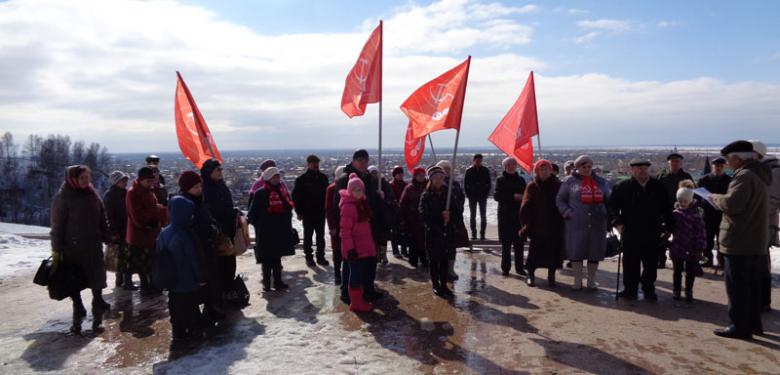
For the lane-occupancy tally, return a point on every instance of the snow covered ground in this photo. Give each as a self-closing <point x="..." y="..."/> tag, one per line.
<point x="19" y="254"/>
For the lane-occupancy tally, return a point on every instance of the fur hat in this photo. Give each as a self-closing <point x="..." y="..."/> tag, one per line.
<point x="444" y="164"/>
<point x="373" y="169"/>
<point x="339" y="172"/>
<point x="432" y="171"/>
<point x="684" y="195"/>
<point x="758" y="147"/>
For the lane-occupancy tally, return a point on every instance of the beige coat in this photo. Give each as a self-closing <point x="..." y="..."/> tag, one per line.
<point x="744" y="229"/>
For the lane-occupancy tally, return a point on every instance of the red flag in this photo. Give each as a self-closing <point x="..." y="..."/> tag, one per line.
<point x="195" y="139"/>
<point x="364" y="82"/>
<point x="513" y="134"/>
<point x="414" y="148"/>
<point x="438" y="104"/>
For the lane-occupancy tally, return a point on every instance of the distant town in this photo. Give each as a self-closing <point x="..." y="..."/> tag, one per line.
<point x="241" y="167"/>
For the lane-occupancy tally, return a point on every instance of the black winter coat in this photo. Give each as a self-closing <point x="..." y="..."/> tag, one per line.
<point x="717" y="185"/>
<point x="671" y="182"/>
<point x="116" y="212"/>
<point x="273" y="231"/>
<point x="645" y="212"/>
<point x="477" y="182"/>
<point x="219" y="200"/>
<point x="439" y="238"/>
<point x="309" y="194"/>
<point x="508" y="207"/>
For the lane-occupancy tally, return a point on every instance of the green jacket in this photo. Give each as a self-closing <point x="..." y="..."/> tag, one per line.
<point x="745" y="224"/>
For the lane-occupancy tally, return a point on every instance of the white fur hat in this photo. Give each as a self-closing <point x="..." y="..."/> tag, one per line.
<point x="270" y="172"/>
<point x="684" y="195"/>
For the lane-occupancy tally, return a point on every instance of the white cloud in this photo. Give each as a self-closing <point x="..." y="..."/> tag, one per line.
<point x="575" y="11"/>
<point x="596" y="28"/>
<point x="92" y="70"/>
<point x="666" y="24"/>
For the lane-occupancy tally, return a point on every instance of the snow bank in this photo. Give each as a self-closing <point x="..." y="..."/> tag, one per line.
<point x="775" y="255"/>
<point x="19" y="254"/>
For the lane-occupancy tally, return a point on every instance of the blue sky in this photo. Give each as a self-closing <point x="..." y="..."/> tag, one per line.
<point x="664" y="40"/>
<point x="269" y="74"/>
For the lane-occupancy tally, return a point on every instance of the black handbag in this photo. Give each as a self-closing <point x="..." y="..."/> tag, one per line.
<point x="65" y="281"/>
<point x="43" y="275"/>
<point x="238" y="296"/>
<point x="614" y="246"/>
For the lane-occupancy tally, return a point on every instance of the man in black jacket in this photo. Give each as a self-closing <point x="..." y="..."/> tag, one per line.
<point x="116" y="214"/>
<point x="359" y="166"/>
<point x="716" y="182"/>
<point x="477" y="186"/>
<point x="670" y="179"/>
<point x="309" y="197"/>
<point x="642" y="213"/>
<point x="510" y="187"/>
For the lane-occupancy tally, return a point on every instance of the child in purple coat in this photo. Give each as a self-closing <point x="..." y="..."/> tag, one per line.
<point x="688" y="242"/>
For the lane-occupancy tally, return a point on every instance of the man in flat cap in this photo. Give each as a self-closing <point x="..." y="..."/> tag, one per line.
<point x="716" y="182"/>
<point x="642" y="213"/>
<point x="670" y="178"/>
<point x="744" y="237"/>
<point x="309" y="197"/>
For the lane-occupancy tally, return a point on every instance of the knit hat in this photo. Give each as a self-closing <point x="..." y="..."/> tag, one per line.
<point x="432" y="171"/>
<point x="418" y="170"/>
<point x="339" y="172"/>
<point x="116" y="176"/>
<point x="397" y="170"/>
<point x="444" y="164"/>
<point x="507" y="161"/>
<point x="582" y="160"/>
<point x="270" y="172"/>
<point x="355" y="183"/>
<point x="267" y="163"/>
<point x="145" y="173"/>
<point x="684" y="195"/>
<point x="188" y="179"/>
<point x="373" y="169"/>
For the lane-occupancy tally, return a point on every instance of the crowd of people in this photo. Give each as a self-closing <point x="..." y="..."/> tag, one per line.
<point x="187" y="244"/>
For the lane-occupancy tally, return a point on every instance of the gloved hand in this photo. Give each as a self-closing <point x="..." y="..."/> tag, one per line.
<point x="352" y="254"/>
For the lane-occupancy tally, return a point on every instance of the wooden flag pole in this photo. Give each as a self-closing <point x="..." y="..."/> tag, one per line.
<point x="381" y="47"/>
<point x="457" y="137"/>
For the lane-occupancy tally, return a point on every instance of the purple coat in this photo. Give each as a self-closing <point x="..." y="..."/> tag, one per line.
<point x="689" y="238"/>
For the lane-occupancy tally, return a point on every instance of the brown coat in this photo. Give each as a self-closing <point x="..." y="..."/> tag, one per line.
<point x="745" y="206"/>
<point x="78" y="231"/>
<point x="541" y="221"/>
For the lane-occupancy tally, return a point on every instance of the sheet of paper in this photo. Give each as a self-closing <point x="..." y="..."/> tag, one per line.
<point x="706" y="195"/>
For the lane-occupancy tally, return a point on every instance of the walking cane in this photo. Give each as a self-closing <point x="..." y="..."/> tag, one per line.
<point x="617" y="283"/>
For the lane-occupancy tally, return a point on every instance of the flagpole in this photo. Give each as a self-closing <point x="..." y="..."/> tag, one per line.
<point x="457" y="137"/>
<point x="430" y="140"/>
<point x="381" y="47"/>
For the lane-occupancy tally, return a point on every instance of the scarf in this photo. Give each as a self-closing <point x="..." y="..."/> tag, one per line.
<point x="277" y="196"/>
<point x="590" y="193"/>
<point x="72" y="179"/>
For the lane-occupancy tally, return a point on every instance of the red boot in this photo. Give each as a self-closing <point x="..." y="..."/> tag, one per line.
<point x="358" y="304"/>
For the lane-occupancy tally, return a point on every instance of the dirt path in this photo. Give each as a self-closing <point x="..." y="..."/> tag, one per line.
<point x="495" y="325"/>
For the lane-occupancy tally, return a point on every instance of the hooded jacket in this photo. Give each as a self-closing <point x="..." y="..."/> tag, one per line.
<point x="181" y="245"/>
<point x="745" y="206"/>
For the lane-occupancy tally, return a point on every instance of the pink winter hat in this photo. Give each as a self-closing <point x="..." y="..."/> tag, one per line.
<point x="355" y="183"/>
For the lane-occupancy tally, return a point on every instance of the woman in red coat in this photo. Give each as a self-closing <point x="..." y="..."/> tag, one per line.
<point x="145" y="219"/>
<point x="542" y="223"/>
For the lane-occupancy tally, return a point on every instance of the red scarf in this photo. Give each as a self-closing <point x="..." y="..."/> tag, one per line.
<point x="590" y="193"/>
<point x="276" y="198"/>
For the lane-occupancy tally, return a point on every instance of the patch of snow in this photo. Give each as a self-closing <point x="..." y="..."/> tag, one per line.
<point x="19" y="254"/>
<point x="775" y="255"/>
<point x="23" y="229"/>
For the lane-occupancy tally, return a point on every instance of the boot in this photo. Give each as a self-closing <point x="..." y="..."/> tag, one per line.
<point x="322" y="261"/>
<point x="531" y="280"/>
<point x="357" y="303"/>
<point x="266" y="280"/>
<point x="97" y="316"/>
<point x="146" y="286"/>
<point x="577" y="268"/>
<point x="310" y="261"/>
<point x="689" y="288"/>
<point x="127" y="282"/>
<point x="551" y="277"/>
<point x="444" y="290"/>
<point x="278" y="283"/>
<point x="451" y="270"/>
<point x="676" y="294"/>
<point x="118" y="279"/>
<point x="79" y="312"/>
<point x="592" y="268"/>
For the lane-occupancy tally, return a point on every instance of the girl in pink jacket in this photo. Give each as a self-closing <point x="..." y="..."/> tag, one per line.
<point x="357" y="244"/>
